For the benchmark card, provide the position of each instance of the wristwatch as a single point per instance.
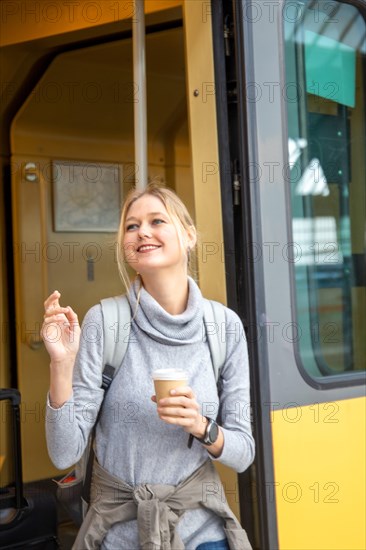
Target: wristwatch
(211, 433)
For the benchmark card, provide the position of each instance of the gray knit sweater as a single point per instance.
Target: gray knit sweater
(131, 440)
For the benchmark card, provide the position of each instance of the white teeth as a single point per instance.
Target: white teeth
(148, 247)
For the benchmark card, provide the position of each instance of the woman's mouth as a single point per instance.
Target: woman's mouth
(148, 247)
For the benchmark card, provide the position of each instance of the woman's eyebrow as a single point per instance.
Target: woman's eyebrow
(149, 214)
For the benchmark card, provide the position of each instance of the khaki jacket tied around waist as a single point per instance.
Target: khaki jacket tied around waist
(157, 508)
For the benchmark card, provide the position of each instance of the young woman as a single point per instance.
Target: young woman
(150, 489)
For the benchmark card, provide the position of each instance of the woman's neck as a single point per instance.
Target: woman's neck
(171, 292)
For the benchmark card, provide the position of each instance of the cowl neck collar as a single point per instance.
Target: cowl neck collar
(152, 318)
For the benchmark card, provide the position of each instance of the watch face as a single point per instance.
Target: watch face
(212, 432)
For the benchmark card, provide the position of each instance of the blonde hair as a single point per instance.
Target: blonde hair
(177, 212)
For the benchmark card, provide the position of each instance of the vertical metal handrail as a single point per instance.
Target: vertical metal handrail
(139, 76)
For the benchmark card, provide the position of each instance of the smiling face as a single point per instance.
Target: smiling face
(151, 238)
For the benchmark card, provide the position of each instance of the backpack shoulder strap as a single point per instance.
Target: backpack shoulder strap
(116, 330)
(214, 319)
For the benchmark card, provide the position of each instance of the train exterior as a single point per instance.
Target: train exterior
(257, 118)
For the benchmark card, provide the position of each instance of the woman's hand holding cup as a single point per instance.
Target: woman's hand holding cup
(176, 402)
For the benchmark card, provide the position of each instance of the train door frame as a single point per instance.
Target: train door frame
(232, 71)
(252, 297)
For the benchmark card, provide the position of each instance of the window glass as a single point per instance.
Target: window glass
(325, 97)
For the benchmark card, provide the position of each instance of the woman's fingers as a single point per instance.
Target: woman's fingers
(180, 401)
(181, 408)
(183, 390)
(58, 318)
(52, 301)
(60, 313)
(71, 315)
(177, 411)
(176, 408)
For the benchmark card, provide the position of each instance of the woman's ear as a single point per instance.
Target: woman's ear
(191, 237)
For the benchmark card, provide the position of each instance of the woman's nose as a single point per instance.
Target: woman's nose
(144, 231)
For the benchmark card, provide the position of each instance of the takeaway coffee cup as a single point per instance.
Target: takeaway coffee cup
(166, 380)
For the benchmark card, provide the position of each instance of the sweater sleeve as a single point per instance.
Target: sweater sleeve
(234, 394)
(68, 428)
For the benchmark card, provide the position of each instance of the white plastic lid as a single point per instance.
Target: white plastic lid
(169, 374)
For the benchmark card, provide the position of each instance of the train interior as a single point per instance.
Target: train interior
(71, 154)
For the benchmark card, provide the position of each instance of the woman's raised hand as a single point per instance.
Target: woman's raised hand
(60, 330)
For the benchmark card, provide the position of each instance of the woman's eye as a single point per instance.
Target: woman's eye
(134, 226)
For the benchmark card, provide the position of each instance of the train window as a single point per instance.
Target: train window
(325, 54)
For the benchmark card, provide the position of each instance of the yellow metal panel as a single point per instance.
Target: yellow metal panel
(25, 20)
(30, 284)
(204, 147)
(319, 462)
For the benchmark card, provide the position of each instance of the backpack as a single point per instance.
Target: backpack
(74, 489)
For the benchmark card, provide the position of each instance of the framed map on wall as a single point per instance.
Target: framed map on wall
(87, 196)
